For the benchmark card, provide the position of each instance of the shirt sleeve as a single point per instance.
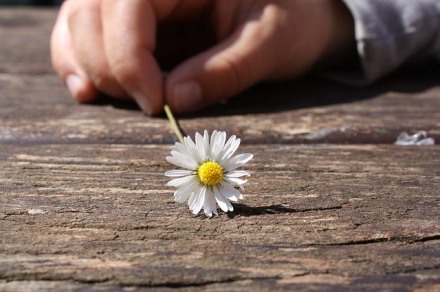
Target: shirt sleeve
(389, 34)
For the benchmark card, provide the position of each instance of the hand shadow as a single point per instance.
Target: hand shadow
(314, 91)
(307, 92)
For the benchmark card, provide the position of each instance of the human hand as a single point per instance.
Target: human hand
(116, 47)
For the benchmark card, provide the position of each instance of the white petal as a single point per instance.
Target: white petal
(193, 199)
(177, 146)
(226, 146)
(222, 202)
(211, 143)
(231, 140)
(200, 201)
(207, 211)
(209, 206)
(178, 172)
(217, 143)
(229, 192)
(178, 182)
(231, 150)
(235, 181)
(180, 197)
(183, 193)
(214, 135)
(191, 146)
(189, 160)
(237, 173)
(206, 145)
(200, 146)
(211, 199)
(236, 161)
(184, 150)
(178, 162)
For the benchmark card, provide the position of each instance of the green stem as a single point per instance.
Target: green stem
(173, 122)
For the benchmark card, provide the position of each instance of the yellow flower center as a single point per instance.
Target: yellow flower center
(210, 173)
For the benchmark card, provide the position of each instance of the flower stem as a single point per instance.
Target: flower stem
(173, 122)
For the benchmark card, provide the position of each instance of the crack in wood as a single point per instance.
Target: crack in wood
(428, 238)
(413, 270)
(406, 239)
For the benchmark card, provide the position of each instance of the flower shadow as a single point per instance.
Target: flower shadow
(247, 211)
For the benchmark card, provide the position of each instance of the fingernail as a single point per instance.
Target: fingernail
(187, 96)
(144, 103)
(73, 83)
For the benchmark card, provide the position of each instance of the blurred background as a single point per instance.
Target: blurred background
(31, 2)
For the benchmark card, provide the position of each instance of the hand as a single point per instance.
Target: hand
(215, 49)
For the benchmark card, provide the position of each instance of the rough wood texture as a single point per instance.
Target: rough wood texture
(316, 216)
(83, 201)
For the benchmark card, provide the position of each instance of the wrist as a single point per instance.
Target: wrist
(340, 44)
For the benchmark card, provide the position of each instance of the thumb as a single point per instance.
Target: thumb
(240, 61)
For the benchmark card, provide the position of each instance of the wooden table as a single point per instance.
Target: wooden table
(331, 204)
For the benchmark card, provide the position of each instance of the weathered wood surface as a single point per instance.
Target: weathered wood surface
(84, 205)
(314, 217)
(36, 108)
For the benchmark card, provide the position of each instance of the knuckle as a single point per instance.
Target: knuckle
(79, 10)
(101, 80)
(105, 82)
(97, 71)
(235, 76)
(73, 12)
(124, 70)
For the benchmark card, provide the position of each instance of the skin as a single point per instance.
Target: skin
(211, 50)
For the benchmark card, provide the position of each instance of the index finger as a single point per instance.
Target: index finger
(129, 30)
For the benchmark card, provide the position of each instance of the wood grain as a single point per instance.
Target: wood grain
(35, 108)
(331, 203)
(315, 216)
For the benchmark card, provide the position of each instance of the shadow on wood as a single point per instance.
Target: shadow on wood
(308, 92)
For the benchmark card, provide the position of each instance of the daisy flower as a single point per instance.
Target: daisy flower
(209, 172)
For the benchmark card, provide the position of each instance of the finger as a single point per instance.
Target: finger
(64, 61)
(238, 62)
(129, 29)
(87, 40)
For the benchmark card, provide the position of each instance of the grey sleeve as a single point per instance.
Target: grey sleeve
(390, 33)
